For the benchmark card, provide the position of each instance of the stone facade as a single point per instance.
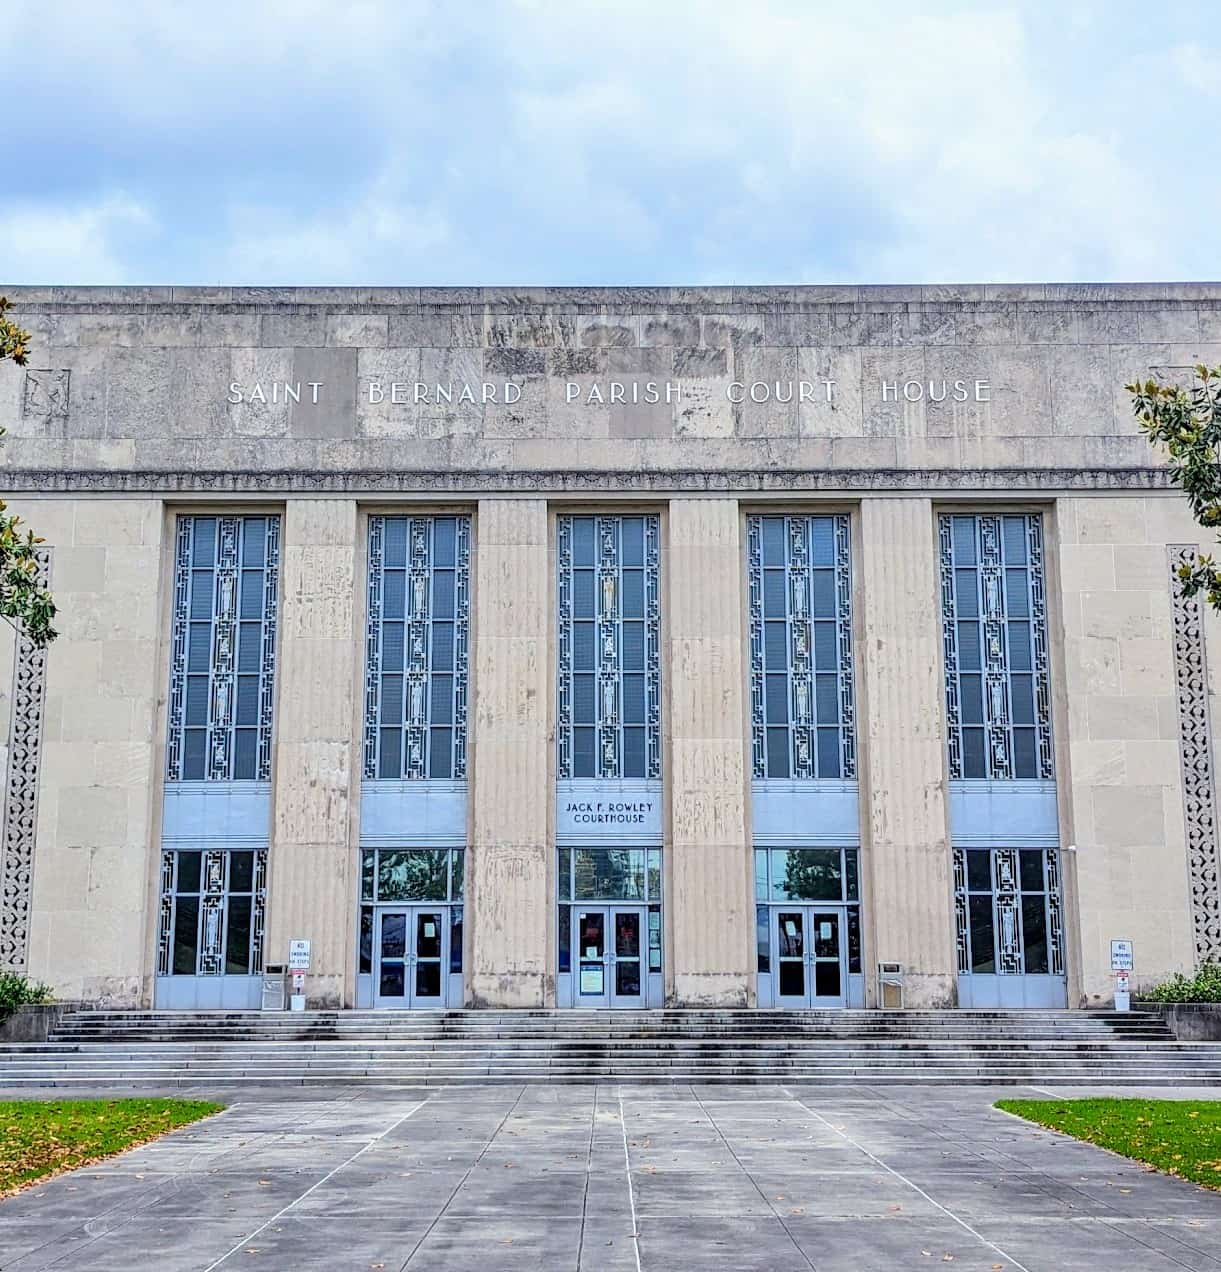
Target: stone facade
(893, 404)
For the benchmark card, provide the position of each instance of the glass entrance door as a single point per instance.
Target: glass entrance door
(607, 956)
(410, 957)
(809, 954)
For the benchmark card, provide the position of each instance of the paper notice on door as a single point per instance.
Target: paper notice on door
(790, 928)
(591, 980)
(591, 951)
(430, 929)
(824, 931)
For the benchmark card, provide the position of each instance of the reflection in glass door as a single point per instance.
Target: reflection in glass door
(809, 953)
(607, 956)
(410, 957)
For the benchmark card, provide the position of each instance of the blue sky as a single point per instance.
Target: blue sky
(640, 141)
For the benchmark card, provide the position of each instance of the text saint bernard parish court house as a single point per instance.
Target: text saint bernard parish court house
(606, 647)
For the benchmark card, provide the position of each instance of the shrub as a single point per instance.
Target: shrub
(19, 991)
(1203, 987)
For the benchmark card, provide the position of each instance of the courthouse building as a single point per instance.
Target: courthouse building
(611, 647)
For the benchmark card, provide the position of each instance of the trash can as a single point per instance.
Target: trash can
(890, 985)
(274, 991)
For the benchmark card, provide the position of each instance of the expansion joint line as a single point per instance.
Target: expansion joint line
(627, 1170)
(911, 1183)
(742, 1167)
(364, 1148)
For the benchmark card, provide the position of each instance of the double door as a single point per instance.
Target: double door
(809, 953)
(608, 955)
(411, 956)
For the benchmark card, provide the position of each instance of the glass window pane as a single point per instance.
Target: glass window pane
(1013, 540)
(828, 753)
(366, 940)
(395, 542)
(973, 764)
(824, 594)
(186, 927)
(188, 871)
(807, 874)
(608, 874)
(440, 753)
(761, 874)
(763, 939)
(1025, 760)
(455, 938)
(367, 865)
(773, 541)
(457, 887)
(852, 887)
(776, 699)
(444, 541)
(1030, 866)
(979, 870)
(854, 940)
(654, 938)
(775, 604)
(1034, 934)
(237, 936)
(982, 958)
(826, 646)
(966, 599)
(963, 534)
(969, 654)
(654, 859)
(1019, 647)
(1017, 596)
(564, 935)
(777, 752)
(826, 692)
(631, 598)
(412, 875)
(241, 871)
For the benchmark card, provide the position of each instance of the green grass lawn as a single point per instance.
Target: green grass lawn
(43, 1137)
(1180, 1137)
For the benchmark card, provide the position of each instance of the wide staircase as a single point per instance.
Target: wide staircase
(209, 1049)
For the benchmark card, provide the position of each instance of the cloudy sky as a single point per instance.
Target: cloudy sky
(631, 141)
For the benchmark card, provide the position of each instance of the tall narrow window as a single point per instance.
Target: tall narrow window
(609, 709)
(417, 639)
(994, 611)
(802, 715)
(223, 657)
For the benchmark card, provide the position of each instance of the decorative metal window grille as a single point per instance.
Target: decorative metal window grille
(1008, 911)
(222, 670)
(1195, 753)
(213, 912)
(21, 790)
(416, 643)
(802, 711)
(609, 708)
(994, 615)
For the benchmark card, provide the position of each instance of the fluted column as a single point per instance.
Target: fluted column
(906, 836)
(509, 897)
(710, 901)
(312, 875)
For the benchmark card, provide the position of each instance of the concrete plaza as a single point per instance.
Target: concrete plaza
(613, 1177)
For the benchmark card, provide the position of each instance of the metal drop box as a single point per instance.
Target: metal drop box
(275, 988)
(890, 985)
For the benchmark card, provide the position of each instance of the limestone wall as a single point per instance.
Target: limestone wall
(925, 380)
(1125, 810)
(312, 868)
(94, 864)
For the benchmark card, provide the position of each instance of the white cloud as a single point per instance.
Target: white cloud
(636, 141)
(46, 243)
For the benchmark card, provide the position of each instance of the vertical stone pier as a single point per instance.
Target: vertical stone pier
(509, 895)
(710, 899)
(903, 775)
(312, 865)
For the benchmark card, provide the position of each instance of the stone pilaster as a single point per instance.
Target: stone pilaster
(903, 773)
(509, 898)
(312, 873)
(710, 899)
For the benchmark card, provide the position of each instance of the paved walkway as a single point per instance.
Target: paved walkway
(682, 1179)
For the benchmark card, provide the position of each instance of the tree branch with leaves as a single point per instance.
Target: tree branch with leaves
(1185, 422)
(25, 602)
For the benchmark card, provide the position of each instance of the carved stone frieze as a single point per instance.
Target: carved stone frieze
(390, 481)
